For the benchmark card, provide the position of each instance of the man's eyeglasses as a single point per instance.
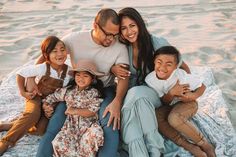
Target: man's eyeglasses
(108, 35)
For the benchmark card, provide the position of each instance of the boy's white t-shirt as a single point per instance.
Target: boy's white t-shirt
(81, 46)
(163, 86)
(39, 70)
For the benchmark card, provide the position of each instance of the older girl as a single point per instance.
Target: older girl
(50, 75)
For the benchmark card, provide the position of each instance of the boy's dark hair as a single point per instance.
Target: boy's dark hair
(107, 14)
(97, 84)
(167, 50)
(48, 45)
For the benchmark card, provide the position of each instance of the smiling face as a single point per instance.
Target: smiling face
(105, 35)
(83, 79)
(129, 29)
(164, 65)
(58, 55)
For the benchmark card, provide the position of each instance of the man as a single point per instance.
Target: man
(101, 45)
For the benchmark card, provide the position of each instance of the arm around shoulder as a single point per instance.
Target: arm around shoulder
(40, 60)
(185, 67)
(199, 91)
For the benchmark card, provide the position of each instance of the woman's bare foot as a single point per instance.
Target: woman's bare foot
(5, 126)
(207, 148)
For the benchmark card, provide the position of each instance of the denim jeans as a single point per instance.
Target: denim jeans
(55, 124)
(111, 137)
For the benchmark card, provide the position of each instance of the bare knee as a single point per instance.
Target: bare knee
(174, 119)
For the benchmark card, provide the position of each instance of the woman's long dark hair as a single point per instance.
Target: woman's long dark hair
(145, 46)
(97, 84)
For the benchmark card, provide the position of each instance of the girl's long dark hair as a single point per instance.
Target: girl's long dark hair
(97, 84)
(145, 46)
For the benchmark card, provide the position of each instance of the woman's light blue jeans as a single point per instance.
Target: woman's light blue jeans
(111, 137)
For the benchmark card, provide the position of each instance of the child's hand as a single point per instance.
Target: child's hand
(31, 86)
(71, 111)
(179, 89)
(187, 97)
(48, 110)
(29, 95)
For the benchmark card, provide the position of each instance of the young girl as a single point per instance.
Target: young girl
(81, 135)
(50, 75)
(173, 119)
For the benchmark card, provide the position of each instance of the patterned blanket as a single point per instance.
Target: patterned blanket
(211, 118)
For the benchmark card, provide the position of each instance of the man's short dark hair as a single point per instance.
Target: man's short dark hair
(107, 14)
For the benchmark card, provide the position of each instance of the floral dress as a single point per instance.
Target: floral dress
(80, 136)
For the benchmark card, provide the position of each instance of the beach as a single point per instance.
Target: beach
(203, 30)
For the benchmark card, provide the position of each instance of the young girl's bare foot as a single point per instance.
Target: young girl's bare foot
(5, 126)
(207, 148)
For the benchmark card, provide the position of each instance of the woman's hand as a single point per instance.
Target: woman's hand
(48, 110)
(121, 70)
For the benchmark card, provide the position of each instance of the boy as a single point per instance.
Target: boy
(178, 91)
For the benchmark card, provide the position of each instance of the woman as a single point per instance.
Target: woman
(139, 125)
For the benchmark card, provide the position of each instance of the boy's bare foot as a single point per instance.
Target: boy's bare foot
(196, 151)
(207, 148)
(5, 126)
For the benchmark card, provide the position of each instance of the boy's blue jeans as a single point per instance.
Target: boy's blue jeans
(56, 122)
